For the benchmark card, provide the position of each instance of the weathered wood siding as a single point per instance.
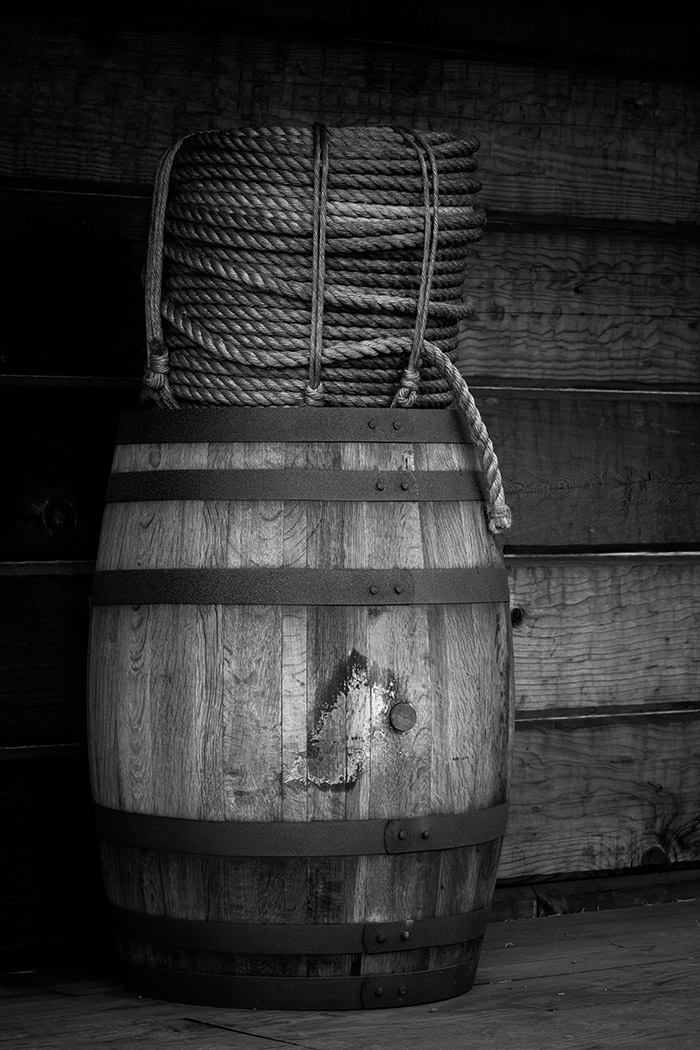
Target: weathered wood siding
(583, 353)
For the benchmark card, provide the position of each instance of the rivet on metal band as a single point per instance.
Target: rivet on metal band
(303, 993)
(207, 586)
(262, 938)
(214, 424)
(350, 486)
(319, 838)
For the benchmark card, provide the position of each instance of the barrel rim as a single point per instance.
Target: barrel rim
(372, 991)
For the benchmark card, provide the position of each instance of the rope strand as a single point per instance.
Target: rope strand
(279, 254)
(313, 392)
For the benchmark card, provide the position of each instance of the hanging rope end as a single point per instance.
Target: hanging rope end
(156, 386)
(500, 518)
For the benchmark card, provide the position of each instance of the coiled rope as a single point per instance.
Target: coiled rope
(314, 266)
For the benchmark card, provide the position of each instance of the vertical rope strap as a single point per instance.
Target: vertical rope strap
(407, 394)
(313, 391)
(156, 385)
(498, 512)
(156, 382)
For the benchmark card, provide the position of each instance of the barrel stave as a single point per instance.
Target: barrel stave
(283, 712)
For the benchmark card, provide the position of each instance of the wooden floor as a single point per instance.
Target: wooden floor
(628, 977)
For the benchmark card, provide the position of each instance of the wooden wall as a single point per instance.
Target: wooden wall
(583, 356)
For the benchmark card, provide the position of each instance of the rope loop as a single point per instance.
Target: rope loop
(407, 394)
(314, 396)
(155, 376)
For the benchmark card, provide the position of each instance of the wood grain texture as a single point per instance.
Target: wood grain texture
(582, 472)
(587, 276)
(632, 891)
(624, 978)
(552, 304)
(538, 157)
(577, 307)
(195, 722)
(595, 636)
(656, 883)
(589, 797)
(590, 636)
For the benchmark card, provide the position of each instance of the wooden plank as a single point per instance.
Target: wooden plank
(560, 898)
(536, 156)
(598, 938)
(660, 886)
(544, 979)
(587, 797)
(610, 634)
(55, 452)
(558, 305)
(295, 717)
(43, 627)
(570, 173)
(629, 274)
(625, 978)
(153, 746)
(83, 1018)
(252, 717)
(513, 902)
(580, 471)
(582, 307)
(585, 472)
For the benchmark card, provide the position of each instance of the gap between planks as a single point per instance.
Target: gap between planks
(86, 567)
(479, 389)
(626, 978)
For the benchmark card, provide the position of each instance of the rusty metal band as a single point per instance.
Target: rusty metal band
(205, 586)
(426, 425)
(357, 486)
(258, 938)
(319, 838)
(302, 993)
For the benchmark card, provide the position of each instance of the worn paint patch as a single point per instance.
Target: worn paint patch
(351, 711)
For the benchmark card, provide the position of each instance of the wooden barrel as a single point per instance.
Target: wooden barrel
(300, 706)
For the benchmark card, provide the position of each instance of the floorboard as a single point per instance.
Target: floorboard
(628, 977)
